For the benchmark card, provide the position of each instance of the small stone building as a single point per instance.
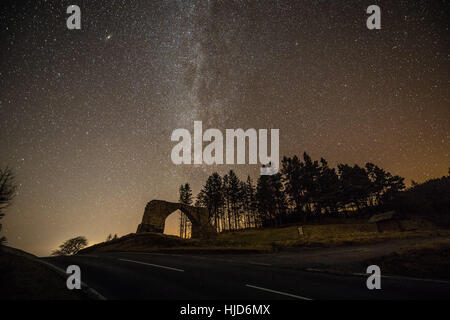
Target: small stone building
(387, 221)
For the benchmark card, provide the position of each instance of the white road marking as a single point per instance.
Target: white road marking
(400, 278)
(153, 265)
(92, 291)
(203, 258)
(278, 292)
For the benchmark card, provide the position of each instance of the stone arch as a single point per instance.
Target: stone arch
(156, 212)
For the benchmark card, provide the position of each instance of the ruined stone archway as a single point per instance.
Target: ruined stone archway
(156, 212)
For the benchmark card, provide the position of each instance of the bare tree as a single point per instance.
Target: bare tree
(71, 246)
(7, 193)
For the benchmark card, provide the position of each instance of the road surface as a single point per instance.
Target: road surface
(203, 277)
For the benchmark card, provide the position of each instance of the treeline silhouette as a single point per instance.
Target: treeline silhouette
(303, 190)
(430, 199)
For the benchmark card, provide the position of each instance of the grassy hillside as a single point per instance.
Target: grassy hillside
(270, 239)
(323, 235)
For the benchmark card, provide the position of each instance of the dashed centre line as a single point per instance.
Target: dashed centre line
(153, 265)
(278, 292)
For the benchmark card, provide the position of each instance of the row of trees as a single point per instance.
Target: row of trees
(231, 202)
(303, 189)
(185, 198)
(430, 199)
(312, 187)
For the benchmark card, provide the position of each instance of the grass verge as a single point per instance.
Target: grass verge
(23, 278)
(429, 260)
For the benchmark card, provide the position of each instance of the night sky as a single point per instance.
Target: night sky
(86, 115)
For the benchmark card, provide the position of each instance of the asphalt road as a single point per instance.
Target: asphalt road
(203, 277)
